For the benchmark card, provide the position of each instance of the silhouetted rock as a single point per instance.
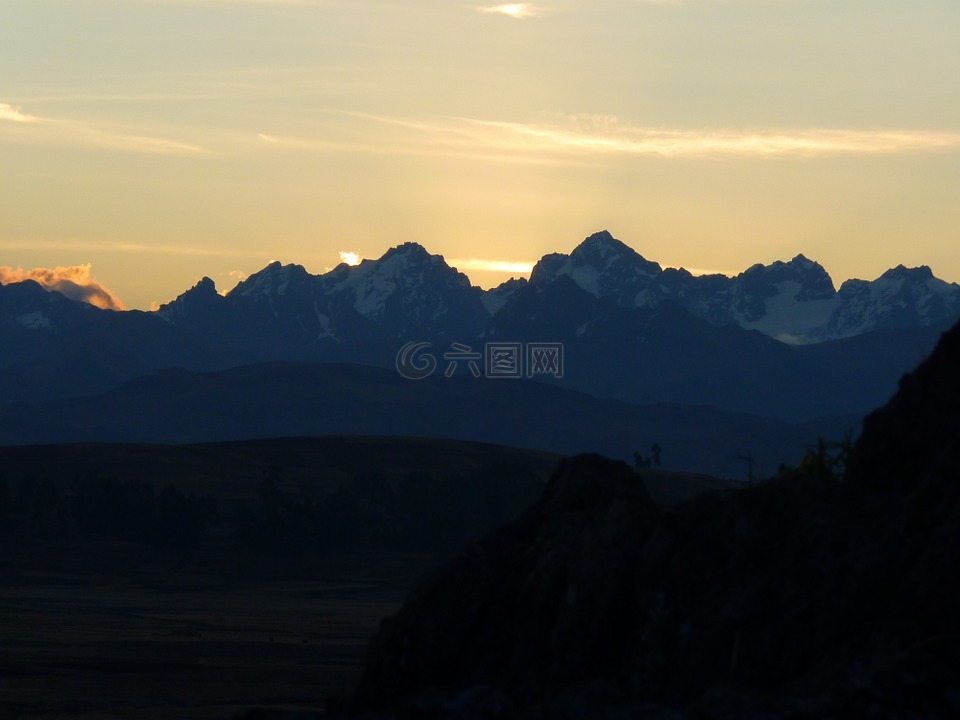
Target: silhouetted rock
(535, 606)
(803, 597)
(917, 434)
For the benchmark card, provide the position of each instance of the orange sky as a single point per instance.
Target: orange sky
(163, 140)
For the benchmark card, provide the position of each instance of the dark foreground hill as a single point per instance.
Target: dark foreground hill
(194, 581)
(806, 597)
(314, 399)
(198, 581)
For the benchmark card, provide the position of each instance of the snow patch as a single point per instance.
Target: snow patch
(790, 320)
(325, 328)
(587, 277)
(494, 302)
(34, 320)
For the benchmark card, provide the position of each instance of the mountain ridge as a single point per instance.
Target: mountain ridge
(297, 399)
(793, 301)
(629, 329)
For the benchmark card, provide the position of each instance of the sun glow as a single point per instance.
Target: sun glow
(350, 258)
(514, 10)
(504, 266)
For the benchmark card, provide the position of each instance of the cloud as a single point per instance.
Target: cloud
(76, 283)
(585, 139)
(518, 11)
(493, 265)
(606, 135)
(296, 3)
(14, 114)
(144, 144)
(73, 132)
(124, 247)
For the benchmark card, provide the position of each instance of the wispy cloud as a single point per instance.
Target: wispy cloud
(32, 128)
(297, 3)
(76, 282)
(519, 11)
(449, 139)
(607, 135)
(145, 144)
(588, 138)
(506, 266)
(124, 247)
(14, 114)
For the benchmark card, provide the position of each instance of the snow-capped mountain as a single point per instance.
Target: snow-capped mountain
(409, 289)
(55, 347)
(901, 297)
(633, 330)
(793, 301)
(28, 306)
(604, 267)
(406, 292)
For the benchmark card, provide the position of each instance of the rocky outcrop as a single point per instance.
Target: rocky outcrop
(915, 438)
(802, 597)
(535, 606)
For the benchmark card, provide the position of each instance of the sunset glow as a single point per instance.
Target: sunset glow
(490, 133)
(350, 258)
(515, 10)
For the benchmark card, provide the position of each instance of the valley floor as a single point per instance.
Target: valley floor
(158, 642)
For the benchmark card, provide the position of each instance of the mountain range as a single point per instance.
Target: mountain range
(410, 291)
(777, 341)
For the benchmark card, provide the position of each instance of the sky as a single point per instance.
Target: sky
(148, 143)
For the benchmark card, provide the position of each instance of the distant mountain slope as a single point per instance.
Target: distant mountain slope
(665, 354)
(53, 347)
(299, 399)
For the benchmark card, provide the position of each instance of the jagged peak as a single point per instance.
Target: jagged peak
(202, 293)
(511, 284)
(603, 238)
(923, 272)
(411, 250)
(800, 267)
(206, 285)
(275, 277)
(802, 261)
(603, 248)
(275, 269)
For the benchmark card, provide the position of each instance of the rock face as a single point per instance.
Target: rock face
(915, 438)
(535, 606)
(802, 597)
